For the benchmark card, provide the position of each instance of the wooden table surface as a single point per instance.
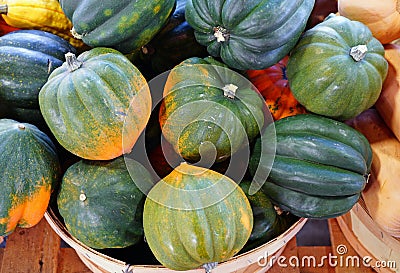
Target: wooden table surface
(38, 250)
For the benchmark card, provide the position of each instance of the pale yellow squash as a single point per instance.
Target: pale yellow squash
(382, 17)
(382, 193)
(45, 15)
(388, 103)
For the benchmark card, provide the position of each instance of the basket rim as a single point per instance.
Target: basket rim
(276, 243)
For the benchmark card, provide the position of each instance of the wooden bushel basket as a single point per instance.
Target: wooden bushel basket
(251, 261)
(369, 240)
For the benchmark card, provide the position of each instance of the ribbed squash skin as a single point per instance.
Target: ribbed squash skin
(326, 79)
(27, 57)
(45, 15)
(29, 171)
(124, 25)
(258, 33)
(196, 216)
(195, 110)
(98, 110)
(320, 166)
(101, 203)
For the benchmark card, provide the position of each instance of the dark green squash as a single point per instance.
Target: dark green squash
(269, 222)
(248, 34)
(124, 25)
(208, 103)
(29, 172)
(337, 68)
(27, 57)
(101, 204)
(196, 217)
(172, 45)
(320, 166)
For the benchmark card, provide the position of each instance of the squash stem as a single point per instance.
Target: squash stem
(72, 62)
(221, 34)
(358, 52)
(230, 90)
(3, 9)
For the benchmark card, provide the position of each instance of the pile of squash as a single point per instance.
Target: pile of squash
(194, 129)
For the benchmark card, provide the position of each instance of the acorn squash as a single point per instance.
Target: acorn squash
(97, 104)
(196, 217)
(124, 25)
(248, 34)
(320, 166)
(27, 57)
(337, 68)
(29, 172)
(209, 109)
(101, 204)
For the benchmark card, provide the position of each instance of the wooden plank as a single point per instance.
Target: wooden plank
(69, 262)
(1, 257)
(345, 252)
(290, 251)
(315, 259)
(32, 249)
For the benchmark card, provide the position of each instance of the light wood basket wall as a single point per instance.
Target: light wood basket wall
(245, 263)
(368, 240)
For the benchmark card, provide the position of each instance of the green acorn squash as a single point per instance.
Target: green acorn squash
(124, 25)
(97, 104)
(29, 172)
(248, 34)
(101, 204)
(320, 167)
(337, 68)
(196, 217)
(27, 57)
(207, 103)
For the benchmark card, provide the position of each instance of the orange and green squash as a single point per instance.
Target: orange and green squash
(248, 35)
(29, 172)
(273, 85)
(209, 109)
(196, 217)
(101, 204)
(337, 68)
(97, 104)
